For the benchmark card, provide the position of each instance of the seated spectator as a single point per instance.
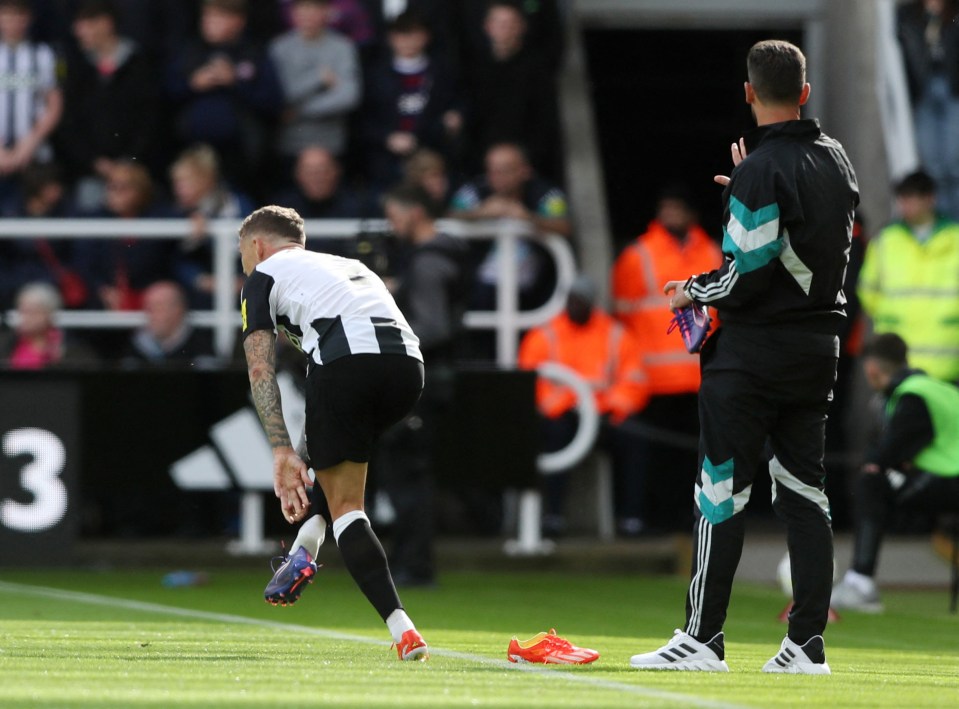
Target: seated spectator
(913, 467)
(28, 89)
(512, 92)
(119, 270)
(227, 92)
(427, 168)
(439, 14)
(22, 261)
(110, 103)
(200, 193)
(609, 358)
(37, 343)
(510, 189)
(320, 74)
(319, 193)
(167, 338)
(410, 101)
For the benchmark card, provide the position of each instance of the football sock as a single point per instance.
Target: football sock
(366, 561)
(398, 623)
(311, 535)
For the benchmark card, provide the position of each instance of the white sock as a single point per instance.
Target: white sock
(860, 582)
(398, 623)
(346, 520)
(311, 535)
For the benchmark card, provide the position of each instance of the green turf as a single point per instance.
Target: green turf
(331, 650)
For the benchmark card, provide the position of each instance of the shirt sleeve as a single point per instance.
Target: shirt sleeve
(256, 305)
(908, 431)
(752, 242)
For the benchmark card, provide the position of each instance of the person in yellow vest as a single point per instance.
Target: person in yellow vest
(609, 358)
(913, 466)
(909, 283)
(673, 246)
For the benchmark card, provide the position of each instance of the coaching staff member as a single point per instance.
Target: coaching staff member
(768, 371)
(365, 373)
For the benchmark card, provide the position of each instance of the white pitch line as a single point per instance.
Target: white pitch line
(685, 700)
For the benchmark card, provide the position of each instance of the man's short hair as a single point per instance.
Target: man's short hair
(777, 71)
(277, 222)
(17, 5)
(89, 9)
(916, 184)
(410, 194)
(407, 22)
(890, 349)
(234, 7)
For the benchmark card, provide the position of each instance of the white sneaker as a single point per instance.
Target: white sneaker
(850, 596)
(792, 659)
(684, 652)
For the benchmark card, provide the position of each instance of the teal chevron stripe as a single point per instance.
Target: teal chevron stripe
(718, 473)
(747, 261)
(715, 514)
(750, 219)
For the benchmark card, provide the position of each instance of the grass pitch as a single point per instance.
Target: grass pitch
(120, 639)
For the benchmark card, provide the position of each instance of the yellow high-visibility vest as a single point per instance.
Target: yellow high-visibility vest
(911, 288)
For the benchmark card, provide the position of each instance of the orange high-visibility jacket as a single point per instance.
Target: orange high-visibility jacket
(639, 274)
(602, 351)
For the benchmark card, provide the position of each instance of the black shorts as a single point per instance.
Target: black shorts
(352, 400)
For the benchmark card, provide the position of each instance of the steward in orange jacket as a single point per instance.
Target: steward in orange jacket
(601, 351)
(609, 358)
(639, 303)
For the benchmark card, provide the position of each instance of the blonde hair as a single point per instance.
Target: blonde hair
(43, 293)
(202, 158)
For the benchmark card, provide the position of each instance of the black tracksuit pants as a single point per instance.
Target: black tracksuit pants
(762, 387)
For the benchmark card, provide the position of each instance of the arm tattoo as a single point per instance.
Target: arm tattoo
(261, 364)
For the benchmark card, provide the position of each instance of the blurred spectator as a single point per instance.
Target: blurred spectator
(31, 103)
(432, 292)
(228, 93)
(510, 189)
(910, 279)
(319, 192)
(200, 193)
(37, 343)
(674, 244)
(544, 29)
(320, 73)
(427, 168)
(167, 338)
(22, 261)
(512, 92)
(609, 358)
(119, 270)
(438, 14)
(110, 103)
(410, 101)
(929, 37)
(348, 17)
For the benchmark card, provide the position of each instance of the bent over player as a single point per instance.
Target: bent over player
(768, 372)
(365, 373)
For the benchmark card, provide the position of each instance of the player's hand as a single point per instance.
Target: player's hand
(738, 151)
(290, 478)
(677, 299)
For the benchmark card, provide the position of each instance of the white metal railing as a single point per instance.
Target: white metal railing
(507, 320)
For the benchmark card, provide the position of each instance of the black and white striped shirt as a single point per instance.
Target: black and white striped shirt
(27, 74)
(328, 307)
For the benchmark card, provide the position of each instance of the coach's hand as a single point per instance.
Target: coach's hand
(738, 151)
(290, 478)
(677, 299)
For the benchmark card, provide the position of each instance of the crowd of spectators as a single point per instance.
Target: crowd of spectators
(206, 109)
